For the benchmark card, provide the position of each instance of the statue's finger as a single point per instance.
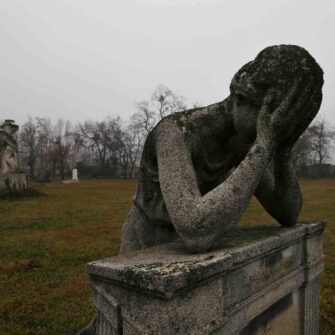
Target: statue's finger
(311, 107)
(289, 98)
(304, 97)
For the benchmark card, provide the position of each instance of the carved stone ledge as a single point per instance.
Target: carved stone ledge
(263, 280)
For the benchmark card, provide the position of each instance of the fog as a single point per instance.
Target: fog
(87, 59)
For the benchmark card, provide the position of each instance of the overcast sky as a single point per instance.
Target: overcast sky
(86, 59)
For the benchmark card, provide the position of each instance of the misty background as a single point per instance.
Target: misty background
(85, 59)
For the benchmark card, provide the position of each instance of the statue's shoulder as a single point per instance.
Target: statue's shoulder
(191, 122)
(163, 129)
(191, 118)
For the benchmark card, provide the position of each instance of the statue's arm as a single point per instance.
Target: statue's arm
(279, 191)
(201, 220)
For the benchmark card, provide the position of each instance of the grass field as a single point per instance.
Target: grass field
(46, 241)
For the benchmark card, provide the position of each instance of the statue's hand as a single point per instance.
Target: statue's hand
(274, 127)
(264, 123)
(307, 103)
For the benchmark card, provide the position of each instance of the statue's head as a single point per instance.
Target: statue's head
(278, 69)
(9, 127)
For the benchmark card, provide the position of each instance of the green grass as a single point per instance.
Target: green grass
(45, 242)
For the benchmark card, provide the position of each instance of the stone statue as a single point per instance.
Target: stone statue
(200, 167)
(11, 177)
(8, 147)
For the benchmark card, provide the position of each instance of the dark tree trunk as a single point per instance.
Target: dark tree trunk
(32, 169)
(54, 169)
(62, 172)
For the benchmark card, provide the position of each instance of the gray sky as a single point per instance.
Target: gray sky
(86, 59)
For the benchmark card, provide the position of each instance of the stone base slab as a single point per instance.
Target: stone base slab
(263, 280)
(70, 181)
(13, 181)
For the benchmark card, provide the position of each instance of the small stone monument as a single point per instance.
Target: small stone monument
(75, 175)
(74, 178)
(184, 267)
(11, 177)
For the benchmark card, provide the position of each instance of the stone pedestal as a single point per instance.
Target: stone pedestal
(16, 181)
(263, 280)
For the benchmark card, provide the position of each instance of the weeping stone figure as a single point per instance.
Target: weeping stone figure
(200, 167)
(11, 177)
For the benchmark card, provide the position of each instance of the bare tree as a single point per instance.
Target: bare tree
(164, 101)
(63, 144)
(94, 137)
(321, 135)
(145, 118)
(100, 138)
(48, 159)
(130, 142)
(122, 151)
(29, 140)
(313, 147)
(301, 151)
(36, 148)
(134, 142)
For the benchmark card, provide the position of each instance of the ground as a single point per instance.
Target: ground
(46, 241)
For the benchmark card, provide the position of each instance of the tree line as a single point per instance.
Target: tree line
(108, 148)
(112, 147)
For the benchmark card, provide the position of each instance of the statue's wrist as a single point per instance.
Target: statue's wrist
(263, 149)
(266, 143)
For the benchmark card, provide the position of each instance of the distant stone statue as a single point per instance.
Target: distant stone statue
(11, 177)
(8, 147)
(75, 175)
(200, 167)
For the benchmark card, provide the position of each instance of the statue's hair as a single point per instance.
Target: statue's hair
(278, 68)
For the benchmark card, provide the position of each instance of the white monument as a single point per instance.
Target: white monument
(74, 178)
(75, 175)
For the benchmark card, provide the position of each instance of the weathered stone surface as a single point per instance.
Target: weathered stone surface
(75, 175)
(260, 277)
(200, 167)
(13, 181)
(283, 317)
(11, 177)
(8, 147)
(198, 172)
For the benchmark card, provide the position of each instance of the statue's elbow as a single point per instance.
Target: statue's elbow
(199, 244)
(288, 220)
(198, 235)
(288, 213)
